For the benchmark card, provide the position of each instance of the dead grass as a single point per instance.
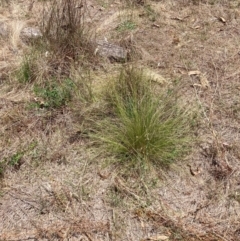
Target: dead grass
(59, 187)
(67, 33)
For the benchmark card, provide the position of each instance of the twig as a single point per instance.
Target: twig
(126, 189)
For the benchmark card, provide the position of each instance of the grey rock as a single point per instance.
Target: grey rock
(4, 29)
(30, 33)
(111, 51)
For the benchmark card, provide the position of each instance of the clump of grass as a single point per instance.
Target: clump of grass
(145, 126)
(66, 33)
(24, 73)
(66, 43)
(37, 66)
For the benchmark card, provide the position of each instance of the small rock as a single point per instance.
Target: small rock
(30, 33)
(4, 29)
(111, 51)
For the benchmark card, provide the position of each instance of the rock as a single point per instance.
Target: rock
(111, 51)
(4, 29)
(30, 33)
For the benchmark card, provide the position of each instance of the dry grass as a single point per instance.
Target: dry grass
(67, 33)
(56, 184)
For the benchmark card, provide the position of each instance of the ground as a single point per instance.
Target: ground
(63, 187)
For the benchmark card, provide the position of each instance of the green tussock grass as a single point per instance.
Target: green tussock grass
(145, 126)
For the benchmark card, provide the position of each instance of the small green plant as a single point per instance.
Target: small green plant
(14, 161)
(85, 193)
(235, 196)
(134, 3)
(104, 4)
(144, 126)
(126, 25)
(55, 94)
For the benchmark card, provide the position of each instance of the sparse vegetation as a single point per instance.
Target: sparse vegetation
(66, 43)
(15, 160)
(126, 25)
(55, 94)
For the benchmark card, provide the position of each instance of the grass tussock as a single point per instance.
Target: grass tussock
(54, 64)
(33, 68)
(144, 126)
(66, 43)
(66, 32)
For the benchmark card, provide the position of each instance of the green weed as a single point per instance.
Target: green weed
(2, 168)
(126, 25)
(15, 160)
(55, 94)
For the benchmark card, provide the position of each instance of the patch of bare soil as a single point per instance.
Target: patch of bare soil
(57, 187)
